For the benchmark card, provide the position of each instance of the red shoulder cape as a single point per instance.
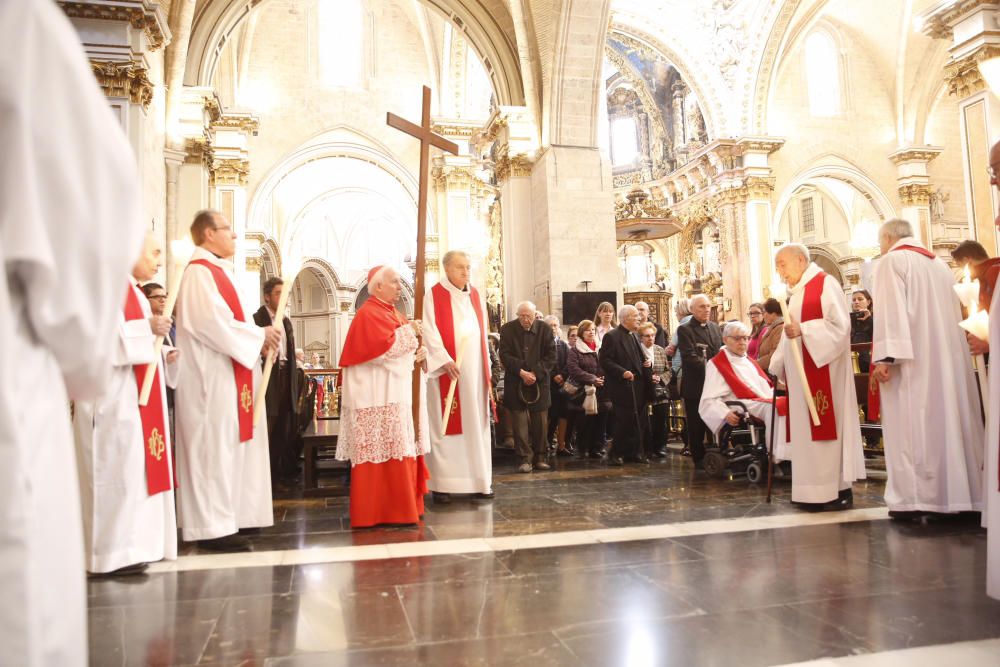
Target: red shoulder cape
(372, 332)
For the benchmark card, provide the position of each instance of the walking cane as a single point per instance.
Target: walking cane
(770, 449)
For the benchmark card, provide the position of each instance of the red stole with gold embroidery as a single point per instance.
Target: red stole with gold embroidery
(445, 322)
(819, 378)
(154, 423)
(242, 374)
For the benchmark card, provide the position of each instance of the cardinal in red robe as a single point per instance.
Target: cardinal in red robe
(377, 435)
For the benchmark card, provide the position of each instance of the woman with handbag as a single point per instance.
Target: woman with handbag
(586, 374)
(657, 357)
(559, 410)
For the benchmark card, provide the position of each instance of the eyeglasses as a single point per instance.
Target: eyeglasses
(222, 229)
(159, 297)
(754, 313)
(992, 173)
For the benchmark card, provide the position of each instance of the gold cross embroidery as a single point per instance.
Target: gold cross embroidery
(246, 398)
(156, 444)
(822, 403)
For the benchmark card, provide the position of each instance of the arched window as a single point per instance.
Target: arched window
(341, 42)
(624, 141)
(823, 74)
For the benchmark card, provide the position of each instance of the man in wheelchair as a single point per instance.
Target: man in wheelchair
(733, 376)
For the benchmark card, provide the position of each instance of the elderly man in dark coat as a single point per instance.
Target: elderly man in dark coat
(528, 353)
(629, 382)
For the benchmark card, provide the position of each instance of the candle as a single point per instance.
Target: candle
(967, 289)
(466, 331)
(780, 293)
(289, 274)
(181, 250)
(978, 324)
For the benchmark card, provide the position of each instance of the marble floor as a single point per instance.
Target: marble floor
(586, 565)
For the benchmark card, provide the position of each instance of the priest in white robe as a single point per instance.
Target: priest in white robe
(223, 465)
(123, 450)
(377, 434)
(731, 375)
(930, 408)
(455, 327)
(828, 457)
(70, 229)
(991, 469)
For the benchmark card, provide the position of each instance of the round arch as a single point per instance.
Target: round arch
(710, 107)
(842, 172)
(218, 21)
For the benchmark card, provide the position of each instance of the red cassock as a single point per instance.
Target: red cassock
(388, 474)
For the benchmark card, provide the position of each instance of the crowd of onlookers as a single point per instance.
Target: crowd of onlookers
(617, 387)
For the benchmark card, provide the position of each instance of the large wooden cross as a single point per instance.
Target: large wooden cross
(427, 139)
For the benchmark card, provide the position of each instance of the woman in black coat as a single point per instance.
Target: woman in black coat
(584, 369)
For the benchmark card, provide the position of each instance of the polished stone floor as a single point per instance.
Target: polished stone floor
(719, 597)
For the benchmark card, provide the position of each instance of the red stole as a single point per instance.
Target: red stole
(819, 378)
(740, 388)
(445, 321)
(917, 249)
(242, 374)
(154, 423)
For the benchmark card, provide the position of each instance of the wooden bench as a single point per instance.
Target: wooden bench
(319, 444)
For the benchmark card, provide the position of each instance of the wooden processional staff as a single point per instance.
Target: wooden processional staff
(427, 139)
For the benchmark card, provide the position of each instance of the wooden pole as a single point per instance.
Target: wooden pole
(427, 139)
(799, 365)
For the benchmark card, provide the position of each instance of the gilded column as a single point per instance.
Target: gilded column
(914, 187)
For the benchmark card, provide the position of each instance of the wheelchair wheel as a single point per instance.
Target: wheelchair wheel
(715, 464)
(755, 472)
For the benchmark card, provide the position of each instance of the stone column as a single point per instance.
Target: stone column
(124, 42)
(677, 111)
(970, 28)
(229, 169)
(914, 187)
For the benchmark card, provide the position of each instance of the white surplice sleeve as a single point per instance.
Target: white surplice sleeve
(437, 356)
(207, 318)
(69, 199)
(891, 324)
(828, 338)
(716, 391)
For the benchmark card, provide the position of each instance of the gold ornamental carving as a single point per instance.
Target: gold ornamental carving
(140, 15)
(255, 264)
(915, 194)
(914, 155)
(229, 171)
(243, 122)
(963, 75)
(639, 205)
(508, 166)
(939, 25)
(124, 79)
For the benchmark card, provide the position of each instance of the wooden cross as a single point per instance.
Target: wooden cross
(427, 139)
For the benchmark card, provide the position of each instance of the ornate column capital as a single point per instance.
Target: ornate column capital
(244, 122)
(228, 171)
(144, 15)
(915, 194)
(962, 75)
(511, 166)
(915, 154)
(129, 80)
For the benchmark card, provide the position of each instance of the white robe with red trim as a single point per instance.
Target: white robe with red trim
(931, 417)
(222, 484)
(716, 392)
(123, 524)
(459, 463)
(822, 468)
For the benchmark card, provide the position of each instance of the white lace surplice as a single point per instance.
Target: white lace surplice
(376, 419)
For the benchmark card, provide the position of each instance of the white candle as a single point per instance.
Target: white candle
(780, 293)
(967, 289)
(181, 250)
(466, 331)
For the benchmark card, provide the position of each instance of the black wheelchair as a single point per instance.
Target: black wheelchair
(741, 449)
